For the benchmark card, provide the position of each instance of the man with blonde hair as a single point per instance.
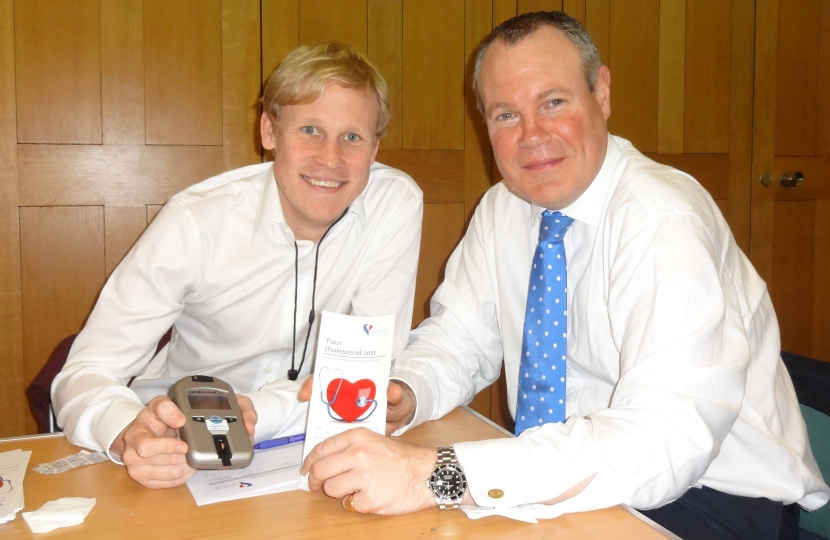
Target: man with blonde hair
(241, 265)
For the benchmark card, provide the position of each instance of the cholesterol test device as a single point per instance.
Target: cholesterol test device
(214, 429)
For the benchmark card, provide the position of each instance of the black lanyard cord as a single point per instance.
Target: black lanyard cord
(294, 373)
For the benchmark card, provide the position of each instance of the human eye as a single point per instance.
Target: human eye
(505, 116)
(309, 130)
(353, 137)
(555, 102)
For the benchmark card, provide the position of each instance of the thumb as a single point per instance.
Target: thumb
(163, 409)
(394, 392)
(305, 391)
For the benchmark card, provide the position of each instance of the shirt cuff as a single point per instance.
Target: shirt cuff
(423, 398)
(117, 416)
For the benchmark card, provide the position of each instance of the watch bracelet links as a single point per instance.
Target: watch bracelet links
(446, 455)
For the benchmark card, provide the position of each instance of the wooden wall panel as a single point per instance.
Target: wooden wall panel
(280, 32)
(58, 65)
(63, 269)
(792, 278)
(797, 91)
(711, 170)
(529, 6)
(122, 227)
(439, 173)
(122, 72)
(12, 400)
(598, 24)
(634, 63)
(183, 71)
(503, 10)
(821, 283)
(477, 161)
(708, 76)
(241, 76)
(672, 73)
(433, 74)
(823, 116)
(343, 21)
(442, 230)
(385, 50)
(576, 9)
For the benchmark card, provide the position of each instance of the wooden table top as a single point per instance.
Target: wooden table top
(127, 510)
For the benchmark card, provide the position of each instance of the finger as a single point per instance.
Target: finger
(132, 458)
(147, 446)
(249, 414)
(325, 470)
(163, 408)
(161, 476)
(332, 445)
(305, 391)
(341, 485)
(394, 392)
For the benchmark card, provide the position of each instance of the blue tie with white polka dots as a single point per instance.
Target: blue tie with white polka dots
(545, 342)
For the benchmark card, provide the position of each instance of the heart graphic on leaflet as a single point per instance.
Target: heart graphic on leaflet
(352, 399)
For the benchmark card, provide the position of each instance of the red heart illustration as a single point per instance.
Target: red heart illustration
(346, 405)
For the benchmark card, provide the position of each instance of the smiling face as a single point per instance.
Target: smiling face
(547, 129)
(322, 154)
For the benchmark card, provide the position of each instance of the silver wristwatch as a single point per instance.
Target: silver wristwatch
(447, 482)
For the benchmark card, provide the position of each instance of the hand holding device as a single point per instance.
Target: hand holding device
(214, 427)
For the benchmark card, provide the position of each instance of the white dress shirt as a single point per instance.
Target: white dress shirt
(674, 377)
(217, 264)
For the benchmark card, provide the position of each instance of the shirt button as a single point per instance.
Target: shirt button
(268, 370)
(495, 494)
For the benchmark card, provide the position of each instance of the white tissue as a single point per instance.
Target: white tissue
(60, 513)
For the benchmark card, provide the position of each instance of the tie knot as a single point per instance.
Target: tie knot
(553, 226)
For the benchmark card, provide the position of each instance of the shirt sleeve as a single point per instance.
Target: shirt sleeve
(137, 305)
(683, 355)
(456, 352)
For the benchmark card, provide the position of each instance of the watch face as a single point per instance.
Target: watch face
(448, 482)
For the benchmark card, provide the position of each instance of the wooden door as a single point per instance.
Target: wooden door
(791, 225)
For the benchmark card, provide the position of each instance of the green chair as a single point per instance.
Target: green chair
(811, 379)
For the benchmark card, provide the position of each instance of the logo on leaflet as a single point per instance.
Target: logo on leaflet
(244, 484)
(366, 328)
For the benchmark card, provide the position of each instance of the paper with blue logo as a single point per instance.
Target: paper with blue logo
(351, 373)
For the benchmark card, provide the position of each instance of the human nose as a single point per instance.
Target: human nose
(533, 133)
(329, 155)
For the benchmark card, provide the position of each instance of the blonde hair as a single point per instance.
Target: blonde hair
(306, 72)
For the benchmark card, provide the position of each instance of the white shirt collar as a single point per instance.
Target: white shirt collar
(588, 207)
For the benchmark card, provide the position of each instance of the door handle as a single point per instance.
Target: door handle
(791, 179)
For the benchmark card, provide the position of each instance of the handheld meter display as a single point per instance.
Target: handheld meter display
(214, 430)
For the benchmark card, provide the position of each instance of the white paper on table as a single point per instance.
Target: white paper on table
(272, 471)
(12, 471)
(351, 373)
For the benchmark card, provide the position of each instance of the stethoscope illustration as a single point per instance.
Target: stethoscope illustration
(345, 409)
(5, 485)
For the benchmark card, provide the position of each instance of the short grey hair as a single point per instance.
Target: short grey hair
(512, 31)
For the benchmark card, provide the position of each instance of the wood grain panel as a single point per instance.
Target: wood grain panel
(576, 9)
(280, 32)
(63, 270)
(792, 277)
(11, 332)
(477, 162)
(122, 227)
(440, 174)
(823, 116)
(634, 64)
(122, 72)
(529, 6)
(241, 75)
(58, 65)
(821, 283)
(711, 170)
(442, 230)
(708, 76)
(797, 91)
(183, 72)
(670, 89)
(343, 21)
(112, 175)
(598, 24)
(433, 74)
(740, 120)
(385, 37)
(503, 10)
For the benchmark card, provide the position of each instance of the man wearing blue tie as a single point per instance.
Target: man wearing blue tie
(640, 347)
